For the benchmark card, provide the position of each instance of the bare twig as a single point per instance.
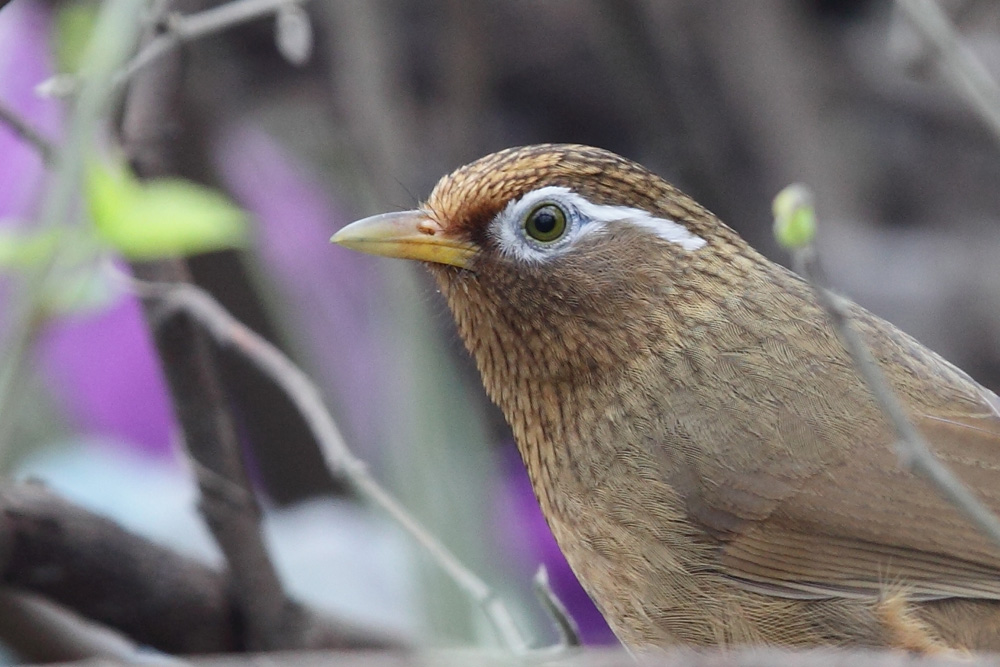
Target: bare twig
(965, 72)
(229, 332)
(21, 128)
(187, 28)
(569, 633)
(183, 28)
(795, 217)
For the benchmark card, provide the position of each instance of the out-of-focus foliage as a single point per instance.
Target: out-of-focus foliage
(160, 218)
(794, 217)
(21, 249)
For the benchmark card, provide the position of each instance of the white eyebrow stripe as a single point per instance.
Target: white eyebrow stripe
(666, 229)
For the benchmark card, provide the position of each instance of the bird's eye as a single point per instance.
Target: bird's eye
(545, 223)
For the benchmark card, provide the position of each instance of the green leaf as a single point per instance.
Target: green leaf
(162, 218)
(110, 192)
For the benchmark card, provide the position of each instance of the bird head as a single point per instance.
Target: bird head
(561, 260)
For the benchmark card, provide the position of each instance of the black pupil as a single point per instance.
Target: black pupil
(545, 221)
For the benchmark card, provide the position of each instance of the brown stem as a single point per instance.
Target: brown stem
(91, 565)
(270, 619)
(39, 630)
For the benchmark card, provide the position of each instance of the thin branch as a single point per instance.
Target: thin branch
(965, 72)
(187, 28)
(229, 332)
(795, 227)
(30, 135)
(569, 632)
(183, 28)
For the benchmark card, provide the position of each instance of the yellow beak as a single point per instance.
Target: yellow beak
(406, 235)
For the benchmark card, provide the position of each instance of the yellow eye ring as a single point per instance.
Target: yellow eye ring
(546, 223)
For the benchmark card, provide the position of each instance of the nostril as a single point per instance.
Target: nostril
(429, 227)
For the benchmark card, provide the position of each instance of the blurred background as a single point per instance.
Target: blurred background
(729, 100)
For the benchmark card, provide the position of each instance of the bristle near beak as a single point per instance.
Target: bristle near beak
(406, 235)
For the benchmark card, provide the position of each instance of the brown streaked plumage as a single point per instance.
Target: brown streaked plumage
(705, 452)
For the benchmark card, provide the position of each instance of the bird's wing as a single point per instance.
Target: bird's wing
(861, 524)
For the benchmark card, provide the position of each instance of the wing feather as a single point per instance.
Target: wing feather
(867, 524)
(800, 482)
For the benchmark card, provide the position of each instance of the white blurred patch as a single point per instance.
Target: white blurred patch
(330, 553)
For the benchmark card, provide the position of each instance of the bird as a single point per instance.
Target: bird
(703, 448)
